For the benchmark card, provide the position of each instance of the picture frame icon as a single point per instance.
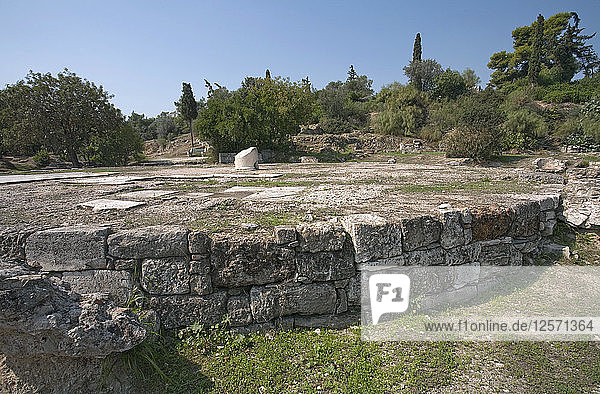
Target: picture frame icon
(388, 293)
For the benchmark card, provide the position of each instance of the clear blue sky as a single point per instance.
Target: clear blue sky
(141, 51)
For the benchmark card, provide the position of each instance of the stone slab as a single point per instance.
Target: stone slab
(149, 242)
(105, 204)
(244, 189)
(146, 194)
(276, 192)
(107, 180)
(26, 178)
(118, 284)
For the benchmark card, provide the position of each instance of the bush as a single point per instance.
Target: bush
(336, 125)
(403, 110)
(441, 119)
(115, 147)
(41, 158)
(472, 143)
(523, 129)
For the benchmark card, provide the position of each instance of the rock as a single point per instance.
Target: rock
(200, 265)
(149, 242)
(554, 249)
(226, 158)
(40, 317)
(199, 242)
(325, 266)
(182, 311)
(238, 309)
(498, 252)
(342, 301)
(308, 159)
(391, 161)
(118, 284)
(12, 242)
(354, 289)
(452, 231)
(541, 177)
(419, 232)
(67, 248)
(429, 257)
(249, 226)
(166, 276)
(284, 234)
(104, 204)
(201, 284)
(335, 322)
(320, 237)
(527, 220)
(373, 238)
(445, 206)
(491, 222)
(247, 159)
(244, 262)
(270, 302)
(547, 164)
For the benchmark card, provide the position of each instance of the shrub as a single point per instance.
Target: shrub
(115, 147)
(41, 158)
(473, 143)
(336, 125)
(403, 110)
(523, 129)
(440, 120)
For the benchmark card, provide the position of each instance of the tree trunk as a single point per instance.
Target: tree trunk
(192, 133)
(73, 158)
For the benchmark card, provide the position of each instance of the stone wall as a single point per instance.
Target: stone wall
(302, 276)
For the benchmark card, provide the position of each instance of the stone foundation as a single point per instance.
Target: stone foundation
(303, 276)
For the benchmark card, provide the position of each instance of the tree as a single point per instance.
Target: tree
(188, 107)
(535, 61)
(422, 74)
(402, 109)
(564, 52)
(268, 74)
(471, 79)
(417, 48)
(449, 84)
(60, 114)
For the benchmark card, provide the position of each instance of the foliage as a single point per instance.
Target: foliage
(473, 143)
(263, 113)
(472, 81)
(449, 84)
(61, 114)
(523, 129)
(579, 91)
(403, 110)
(187, 107)
(417, 49)
(41, 158)
(535, 61)
(441, 118)
(422, 74)
(343, 105)
(114, 148)
(563, 53)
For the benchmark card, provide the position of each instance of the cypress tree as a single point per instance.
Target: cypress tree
(267, 74)
(188, 107)
(535, 60)
(417, 48)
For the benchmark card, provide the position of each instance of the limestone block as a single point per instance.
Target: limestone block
(166, 276)
(247, 159)
(498, 252)
(238, 309)
(354, 289)
(243, 262)
(549, 202)
(181, 310)
(549, 228)
(67, 248)
(201, 284)
(342, 301)
(118, 284)
(527, 220)
(452, 232)
(200, 266)
(548, 164)
(274, 301)
(419, 232)
(328, 321)
(320, 237)
(433, 256)
(149, 242)
(323, 266)
(373, 237)
(199, 242)
(285, 234)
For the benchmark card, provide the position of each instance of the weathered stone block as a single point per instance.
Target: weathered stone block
(200, 266)
(67, 248)
(285, 234)
(201, 284)
(491, 222)
(527, 245)
(320, 237)
(118, 284)
(199, 242)
(498, 252)
(181, 311)
(549, 228)
(324, 266)
(328, 321)
(459, 255)
(419, 232)
(149, 242)
(270, 302)
(342, 301)
(354, 289)
(166, 276)
(452, 232)
(433, 256)
(550, 202)
(373, 237)
(527, 220)
(238, 309)
(245, 262)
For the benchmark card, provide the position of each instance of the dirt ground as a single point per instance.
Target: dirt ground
(276, 194)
